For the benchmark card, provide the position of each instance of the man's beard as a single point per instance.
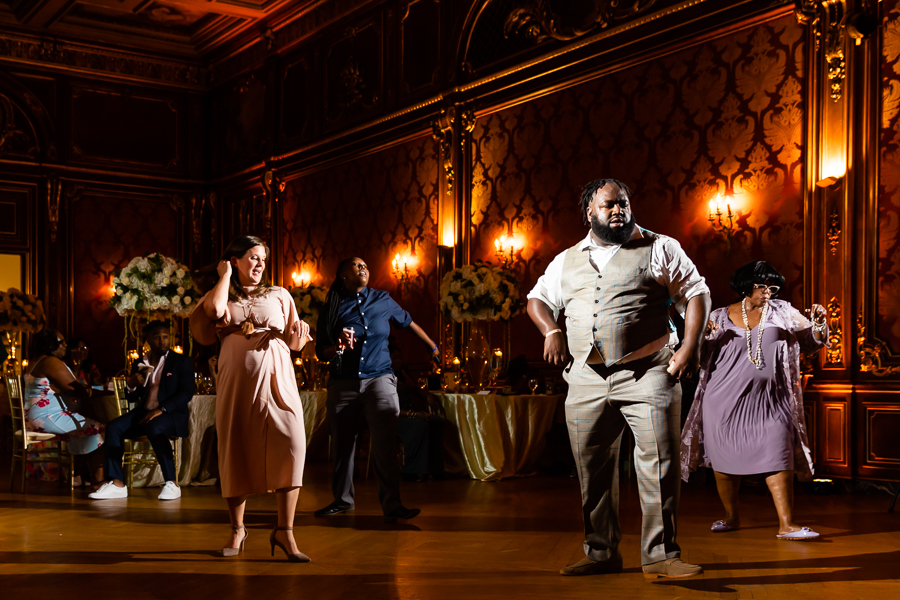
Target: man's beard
(613, 235)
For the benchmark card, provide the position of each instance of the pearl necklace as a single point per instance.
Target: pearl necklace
(758, 359)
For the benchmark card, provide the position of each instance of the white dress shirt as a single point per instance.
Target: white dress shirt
(669, 266)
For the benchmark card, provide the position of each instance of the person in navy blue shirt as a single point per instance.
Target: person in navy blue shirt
(353, 333)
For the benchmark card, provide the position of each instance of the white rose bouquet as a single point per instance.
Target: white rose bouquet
(154, 284)
(309, 300)
(20, 312)
(480, 292)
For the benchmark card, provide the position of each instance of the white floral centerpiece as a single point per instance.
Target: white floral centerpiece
(154, 285)
(309, 300)
(20, 312)
(480, 292)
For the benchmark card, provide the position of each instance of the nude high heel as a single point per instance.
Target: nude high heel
(299, 557)
(235, 551)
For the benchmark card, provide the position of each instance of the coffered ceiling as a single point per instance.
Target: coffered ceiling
(191, 29)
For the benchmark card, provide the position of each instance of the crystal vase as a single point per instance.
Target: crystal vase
(477, 355)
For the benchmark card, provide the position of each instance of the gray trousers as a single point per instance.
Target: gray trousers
(375, 399)
(601, 402)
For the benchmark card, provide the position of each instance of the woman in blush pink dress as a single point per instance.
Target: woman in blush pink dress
(259, 417)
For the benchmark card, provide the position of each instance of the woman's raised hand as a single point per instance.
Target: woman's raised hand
(301, 330)
(817, 313)
(710, 327)
(224, 269)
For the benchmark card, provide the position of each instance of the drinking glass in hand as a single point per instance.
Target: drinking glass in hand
(423, 383)
(533, 385)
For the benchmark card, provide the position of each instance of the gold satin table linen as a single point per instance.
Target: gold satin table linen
(202, 417)
(491, 437)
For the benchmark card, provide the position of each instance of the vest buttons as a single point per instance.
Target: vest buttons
(595, 314)
(598, 288)
(597, 301)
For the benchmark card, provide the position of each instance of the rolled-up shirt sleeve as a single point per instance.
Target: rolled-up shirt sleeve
(678, 273)
(548, 288)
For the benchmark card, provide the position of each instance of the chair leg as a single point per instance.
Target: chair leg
(12, 470)
(24, 462)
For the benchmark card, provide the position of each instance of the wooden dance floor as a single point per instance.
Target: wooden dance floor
(473, 540)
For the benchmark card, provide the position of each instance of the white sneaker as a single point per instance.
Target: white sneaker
(108, 491)
(170, 491)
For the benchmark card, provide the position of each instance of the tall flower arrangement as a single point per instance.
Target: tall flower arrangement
(480, 292)
(155, 285)
(20, 312)
(309, 300)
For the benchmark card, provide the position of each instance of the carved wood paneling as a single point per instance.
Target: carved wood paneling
(297, 100)
(833, 432)
(724, 115)
(126, 126)
(420, 41)
(241, 114)
(373, 207)
(882, 424)
(109, 227)
(887, 272)
(16, 204)
(354, 62)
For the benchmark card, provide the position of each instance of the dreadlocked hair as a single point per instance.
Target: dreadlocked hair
(589, 189)
(332, 311)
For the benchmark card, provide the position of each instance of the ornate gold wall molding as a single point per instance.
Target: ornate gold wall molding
(67, 56)
(540, 20)
(870, 353)
(835, 354)
(834, 232)
(831, 20)
(442, 132)
(53, 193)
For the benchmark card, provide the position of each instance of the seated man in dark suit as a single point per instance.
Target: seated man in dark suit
(161, 385)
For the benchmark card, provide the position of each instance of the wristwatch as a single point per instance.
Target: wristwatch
(163, 409)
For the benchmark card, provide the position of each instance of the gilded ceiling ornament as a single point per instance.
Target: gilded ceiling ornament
(541, 20)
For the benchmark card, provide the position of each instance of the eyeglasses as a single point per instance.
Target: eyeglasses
(621, 202)
(773, 289)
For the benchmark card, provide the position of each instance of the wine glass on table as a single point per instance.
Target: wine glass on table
(533, 385)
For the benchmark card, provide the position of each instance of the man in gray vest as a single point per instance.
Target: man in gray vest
(616, 287)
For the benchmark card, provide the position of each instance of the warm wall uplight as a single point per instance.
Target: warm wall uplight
(505, 248)
(447, 232)
(301, 279)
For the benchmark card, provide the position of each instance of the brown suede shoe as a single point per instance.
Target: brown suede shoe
(586, 566)
(671, 567)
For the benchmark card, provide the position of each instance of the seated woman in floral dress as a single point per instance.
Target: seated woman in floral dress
(52, 396)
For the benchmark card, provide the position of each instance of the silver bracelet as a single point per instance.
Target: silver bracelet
(819, 327)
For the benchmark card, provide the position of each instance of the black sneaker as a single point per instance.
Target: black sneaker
(401, 512)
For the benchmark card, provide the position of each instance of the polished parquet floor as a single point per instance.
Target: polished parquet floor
(473, 540)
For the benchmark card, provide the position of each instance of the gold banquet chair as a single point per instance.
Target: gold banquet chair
(138, 452)
(23, 439)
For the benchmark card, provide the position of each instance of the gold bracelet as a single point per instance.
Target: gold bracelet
(549, 333)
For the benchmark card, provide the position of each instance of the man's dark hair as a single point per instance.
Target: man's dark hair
(756, 271)
(588, 191)
(45, 342)
(152, 326)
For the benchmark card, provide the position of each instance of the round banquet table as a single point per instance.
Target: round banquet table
(491, 436)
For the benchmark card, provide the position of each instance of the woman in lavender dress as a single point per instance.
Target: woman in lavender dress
(747, 415)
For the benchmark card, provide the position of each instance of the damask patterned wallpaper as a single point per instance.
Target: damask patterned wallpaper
(888, 269)
(111, 231)
(724, 115)
(373, 207)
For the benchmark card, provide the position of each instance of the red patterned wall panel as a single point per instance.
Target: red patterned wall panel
(107, 232)
(888, 269)
(724, 115)
(373, 207)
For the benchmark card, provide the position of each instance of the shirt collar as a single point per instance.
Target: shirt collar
(364, 293)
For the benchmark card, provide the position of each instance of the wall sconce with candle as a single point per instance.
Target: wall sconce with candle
(505, 248)
(722, 221)
(301, 279)
(403, 268)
